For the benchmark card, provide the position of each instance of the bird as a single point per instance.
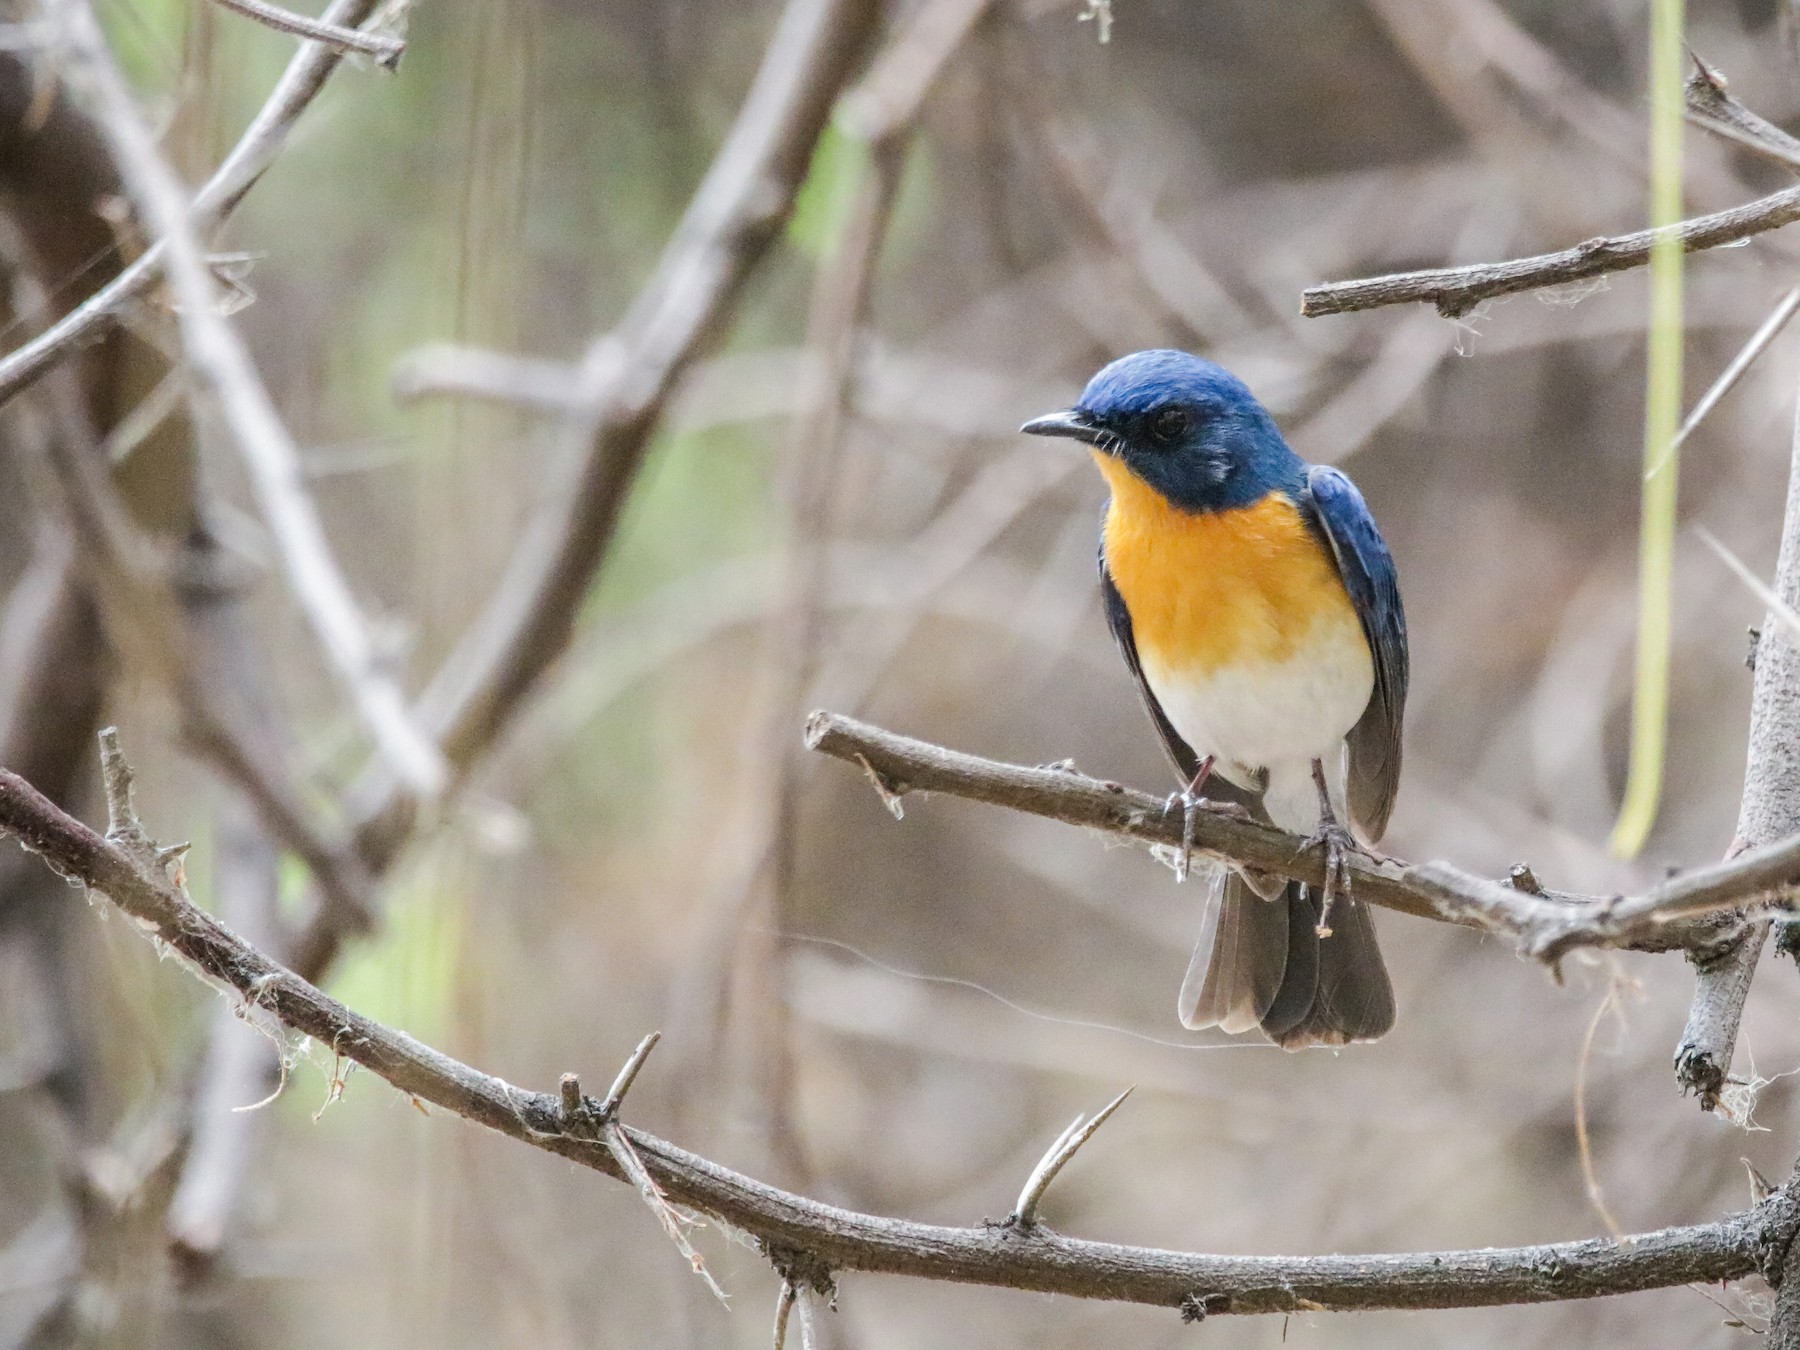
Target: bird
(1257, 607)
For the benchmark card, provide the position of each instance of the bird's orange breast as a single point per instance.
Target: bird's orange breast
(1214, 590)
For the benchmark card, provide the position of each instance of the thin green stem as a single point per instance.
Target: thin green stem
(1662, 416)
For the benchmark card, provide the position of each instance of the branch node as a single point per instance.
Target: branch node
(574, 1105)
(123, 827)
(1522, 878)
(800, 1269)
(1024, 1215)
(1787, 939)
(1198, 1307)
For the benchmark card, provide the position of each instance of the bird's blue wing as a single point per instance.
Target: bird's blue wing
(1367, 569)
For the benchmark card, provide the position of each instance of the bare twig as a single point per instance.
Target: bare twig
(497, 377)
(615, 1095)
(386, 50)
(1778, 609)
(887, 100)
(784, 1307)
(805, 1302)
(1759, 342)
(1457, 290)
(226, 386)
(673, 1222)
(255, 150)
(1739, 1244)
(1024, 1213)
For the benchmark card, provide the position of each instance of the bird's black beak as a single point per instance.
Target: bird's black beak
(1071, 422)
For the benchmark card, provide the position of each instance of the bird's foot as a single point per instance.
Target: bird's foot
(1339, 846)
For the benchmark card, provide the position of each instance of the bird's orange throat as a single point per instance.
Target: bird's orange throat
(1221, 589)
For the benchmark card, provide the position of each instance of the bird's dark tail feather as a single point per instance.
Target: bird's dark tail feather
(1260, 963)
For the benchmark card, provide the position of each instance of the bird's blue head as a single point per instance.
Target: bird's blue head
(1190, 429)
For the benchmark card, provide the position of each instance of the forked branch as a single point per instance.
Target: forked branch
(1756, 1240)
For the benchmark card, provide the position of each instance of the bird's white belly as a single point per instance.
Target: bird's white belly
(1278, 716)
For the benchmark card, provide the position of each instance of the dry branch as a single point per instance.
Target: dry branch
(225, 387)
(613, 405)
(255, 150)
(1457, 290)
(626, 377)
(444, 368)
(1753, 1241)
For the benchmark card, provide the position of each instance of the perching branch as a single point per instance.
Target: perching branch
(1545, 924)
(829, 1238)
(1457, 290)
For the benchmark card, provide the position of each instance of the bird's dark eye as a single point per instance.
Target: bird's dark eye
(1171, 424)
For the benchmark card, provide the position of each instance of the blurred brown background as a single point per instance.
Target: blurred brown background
(900, 1017)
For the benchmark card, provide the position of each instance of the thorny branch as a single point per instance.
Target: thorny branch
(829, 1238)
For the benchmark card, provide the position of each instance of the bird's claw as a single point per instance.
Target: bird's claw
(1192, 804)
(1338, 845)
